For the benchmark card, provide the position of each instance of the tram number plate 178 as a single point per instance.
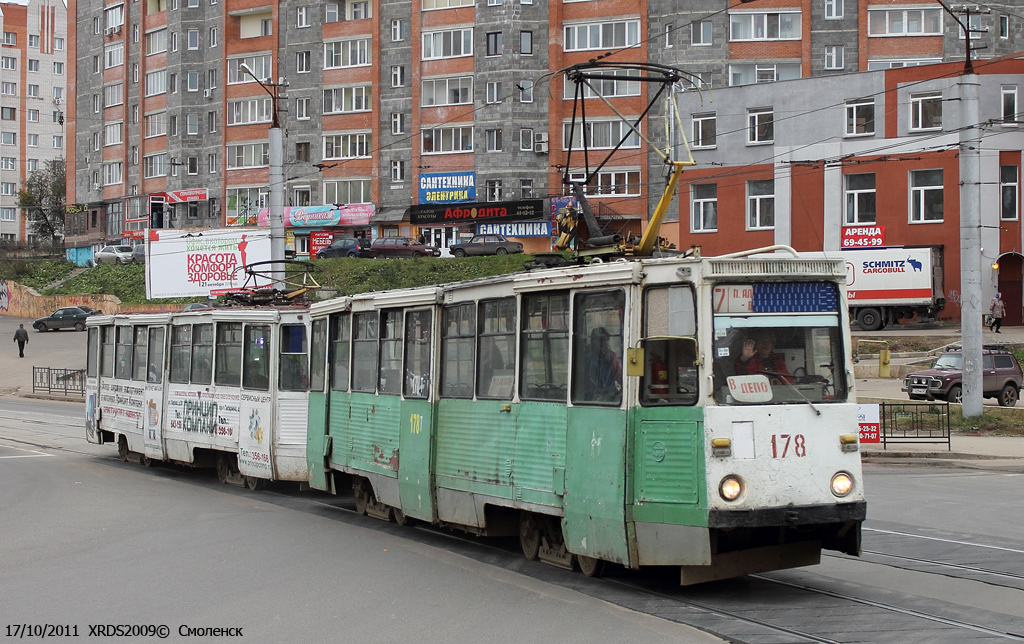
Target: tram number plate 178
(784, 445)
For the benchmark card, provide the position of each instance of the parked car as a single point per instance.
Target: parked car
(1001, 378)
(139, 254)
(347, 247)
(69, 317)
(402, 247)
(485, 245)
(113, 255)
(197, 306)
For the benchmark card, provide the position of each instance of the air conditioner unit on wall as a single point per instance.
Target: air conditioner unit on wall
(207, 93)
(95, 186)
(541, 143)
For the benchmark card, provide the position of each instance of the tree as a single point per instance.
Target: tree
(43, 200)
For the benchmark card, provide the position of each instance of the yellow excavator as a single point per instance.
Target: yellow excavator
(595, 244)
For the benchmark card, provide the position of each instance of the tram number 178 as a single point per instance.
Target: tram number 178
(784, 445)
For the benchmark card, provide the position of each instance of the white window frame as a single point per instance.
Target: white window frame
(757, 203)
(700, 134)
(702, 208)
(608, 132)
(493, 94)
(835, 57)
(494, 140)
(450, 139)
(919, 196)
(834, 9)
(885, 23)
(1007, 186)
(765, 26)
(302, 17)
(526, 139)
(353, 52)
(610, 182)
(853, 108)
(853, 208)
(756, 121)
(702, 33)
(347, 145)
(592, 36)
(348, 100)
(1008, 105)
(447, 43)
(918, 111)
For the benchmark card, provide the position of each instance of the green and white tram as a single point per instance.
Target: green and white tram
(624, 412)
(224, 388)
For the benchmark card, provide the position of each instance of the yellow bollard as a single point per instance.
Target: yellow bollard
(883, 363)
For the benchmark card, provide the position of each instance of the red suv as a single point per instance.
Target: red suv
(1001, 378)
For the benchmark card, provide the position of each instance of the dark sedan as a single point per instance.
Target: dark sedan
(348, 247)
(485, 245)
(402, 247)
(69, 317)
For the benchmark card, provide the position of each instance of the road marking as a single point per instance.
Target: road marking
(31, 452)
(960, 543)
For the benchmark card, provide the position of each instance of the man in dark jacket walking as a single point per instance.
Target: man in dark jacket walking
(21, 337)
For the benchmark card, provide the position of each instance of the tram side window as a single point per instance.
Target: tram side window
(545, 340)
(364, 352)
(391, 352)
(340, 355)
(256, 362)
(155, 368)
(670, 347)
(497, 349)
(107, 357)
(139, 357)
(294, 367)
(457, 351)
(202, 354)
(597, 348)
(417, 354)
(229, 354)
(123, 369)
(181, 352)
(318, 356)
(92, 353)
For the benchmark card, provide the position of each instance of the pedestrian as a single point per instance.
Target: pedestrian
(998, 309)
(21, 337)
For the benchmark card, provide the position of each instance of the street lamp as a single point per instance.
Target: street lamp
(276, 141)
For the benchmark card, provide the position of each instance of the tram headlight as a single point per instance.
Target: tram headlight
(731, 487)
(842, 484)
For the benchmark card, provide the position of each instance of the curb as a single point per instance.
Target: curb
(53, 397)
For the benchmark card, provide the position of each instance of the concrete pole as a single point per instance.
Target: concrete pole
(277, 202)
(972, 306)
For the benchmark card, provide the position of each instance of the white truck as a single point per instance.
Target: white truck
(886, 285)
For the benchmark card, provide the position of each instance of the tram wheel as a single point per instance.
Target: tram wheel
(223, 469)
(122, 448)
(590, 566)
(146, 461)
(529, 535)
(254, 483)
(361, 495)
(399, 516)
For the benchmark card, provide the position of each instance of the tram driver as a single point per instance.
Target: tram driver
(758, 357)
(605, 369)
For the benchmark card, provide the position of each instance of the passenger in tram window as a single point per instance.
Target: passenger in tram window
(605, 370)
(758, 357)
(491, 362)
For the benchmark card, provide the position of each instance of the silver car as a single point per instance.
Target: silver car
(113, 255)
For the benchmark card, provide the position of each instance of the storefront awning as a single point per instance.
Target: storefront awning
(390, 215)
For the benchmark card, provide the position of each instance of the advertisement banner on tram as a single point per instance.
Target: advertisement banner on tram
(188, 263)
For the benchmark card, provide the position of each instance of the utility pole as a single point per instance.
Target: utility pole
(276, 211)
(971, 309)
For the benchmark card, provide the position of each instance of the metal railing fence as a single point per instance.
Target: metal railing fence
(915, 423)
(67, 382)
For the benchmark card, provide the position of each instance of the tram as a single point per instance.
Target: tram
(224, 388)
(688, 412)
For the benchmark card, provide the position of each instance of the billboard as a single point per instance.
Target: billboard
(447, 187)
(189, 263)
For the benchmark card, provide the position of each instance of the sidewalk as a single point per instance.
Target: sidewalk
(57, 349)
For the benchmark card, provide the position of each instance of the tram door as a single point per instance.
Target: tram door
(152, 438)
(318, 441)
(291, 405)
(416, 441)
(92, 403)
(255, 404)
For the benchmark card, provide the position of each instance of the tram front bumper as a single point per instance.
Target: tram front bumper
(791, 515)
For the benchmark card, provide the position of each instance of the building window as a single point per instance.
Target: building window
(302, 17)
(602, 35)
(761, 204)
(1009, 104)
(303, 64)
(860, 117)
(601, 135)
(904, 22)
(211, 121)
(192, 166)
(302, 109)
(331, 13)
(447, 44)
(1004, 27)
(493, 189)
(192, 123)
(7, 214)
(344, 100)
(33, 116)
(860, 199)
(397, 171)
(526, 139)
(397, 30)
(926, 111)
(193, 39)
(346, 192)
(446, 4)
(526, 188)
(1008, 179)
(211, 160)
(926, 196)
(447, 139)
(156, 83)
(705, 130)
(347, 146)
(58, 69)
(192, 81)
(493, 140)
(258, 65)
(700, 33)
(494, 92)
(751, 73)
(112, 133)
(494, 43)
(347, 53)
(9, 113)
(526, 91)
(214, 36)
(8, 163)
(302, 152)
(455, 90)
(834, 57)
(252, 110)
(397, 75)
(610, 183)
(33, 90)
(359, 10)
(398, 123)
(8, 89)
(526, 43)
(764, 26)
(760, 125)
(247, 155)
(10, 38)
(705, 207)
(833, 9)
(33, 65)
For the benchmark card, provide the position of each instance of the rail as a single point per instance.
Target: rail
(49, 380)
(915, 423)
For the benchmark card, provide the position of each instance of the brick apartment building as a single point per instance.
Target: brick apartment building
(385, 99)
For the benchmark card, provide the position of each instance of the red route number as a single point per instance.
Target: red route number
(782, 444)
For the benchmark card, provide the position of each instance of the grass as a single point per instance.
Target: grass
(34, 273)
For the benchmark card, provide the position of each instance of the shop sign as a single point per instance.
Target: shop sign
(520, 229)
(317, 216)
(869, 424)
(863, 236)
(476, 213)
(183, 196)
(319, 239)
(447, 187)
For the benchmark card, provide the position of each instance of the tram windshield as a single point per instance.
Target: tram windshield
(778, 343)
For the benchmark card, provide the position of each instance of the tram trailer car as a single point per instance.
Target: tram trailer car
(603, 413)
(224, 388)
